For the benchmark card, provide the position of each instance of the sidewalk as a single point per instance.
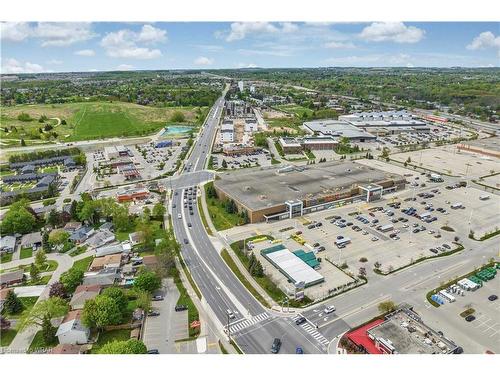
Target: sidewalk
(219, 241)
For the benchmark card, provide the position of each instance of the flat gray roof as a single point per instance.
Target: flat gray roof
(337, 128)
(269, 187)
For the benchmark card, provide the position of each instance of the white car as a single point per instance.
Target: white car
(374, 239)
(329, 309)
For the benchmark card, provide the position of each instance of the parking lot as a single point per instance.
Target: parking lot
(448, 160)
(255, 159)
(479, 335)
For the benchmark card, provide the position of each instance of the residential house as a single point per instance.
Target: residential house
(135, 238)
(107, 226)
(11, 278)
(81, 235)
(108, 261)
(112, 249)
(72, 226)
(7, 244)
(82, 294)
(100, 238)
(72, 331)
(32, 240)
(104, 277)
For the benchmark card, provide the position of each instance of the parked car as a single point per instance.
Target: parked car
(180, 307)
(299, 350)
(157, 297)
(493, 297)
(153, 351)
(153, 313)
(470, 318)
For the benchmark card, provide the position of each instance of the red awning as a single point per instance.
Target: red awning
(360, 337)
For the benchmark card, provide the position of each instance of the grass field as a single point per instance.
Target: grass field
(38, 345)
(109, 336)
(28, 303)
(83, 264)
(6, 258)
(7, 336)
(298, 110)
(91, 120)
(220, 218)
(27, 252)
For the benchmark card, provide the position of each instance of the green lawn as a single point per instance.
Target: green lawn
(83, 264)
(220, 218)
(28, 303)
(7, 336)
(39, 345)
(203, 217)
(78, 251)
(296, 109)
(6, 258)
(42, 281)
(27, 252)
(109, 336)
(92, 120)
(49, 170)
(50, 266)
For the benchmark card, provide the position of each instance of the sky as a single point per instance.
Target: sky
(35, 47)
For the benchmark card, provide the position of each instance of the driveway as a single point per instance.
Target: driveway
(29, 291)
(160, 332)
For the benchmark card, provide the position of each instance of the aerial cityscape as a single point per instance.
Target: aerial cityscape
(250, 188)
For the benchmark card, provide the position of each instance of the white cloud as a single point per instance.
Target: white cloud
(239, 30)
(62, 34)
(485, 40)
(13, 66)
(125, 67)
(124, 43)
(54, 62)
(396, 32)
(14, 31)
(51, 34)
(85, 52)
(339, 45)
(246, 65)
(202, 60)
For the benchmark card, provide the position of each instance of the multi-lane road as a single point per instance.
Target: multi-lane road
(254, 327)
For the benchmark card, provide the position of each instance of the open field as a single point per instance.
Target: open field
(91, 120)
(298, 110)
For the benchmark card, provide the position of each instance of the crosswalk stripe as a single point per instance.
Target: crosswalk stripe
(238, 326)
(315, 333)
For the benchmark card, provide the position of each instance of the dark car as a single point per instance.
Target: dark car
(493, 297)
(470, 318)
(153, 351)
(300, 320)
(275, 348)
(299, 350)
(180, 307)
(186, 241)
(153, 313)
(319, 224)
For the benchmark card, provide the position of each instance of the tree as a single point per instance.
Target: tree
(40, 258)
(224, 164)
(45, 242)
(71, 279)
(386, 307)
(57, 290)
(19, 218)
(58, 237)
(41, 315)
(118, 296)
(147, 281)
(34, 272)
(100, 312)
(146, 234)
(12, 303)
(177, 116)
(4, 323)
(53, 218)
(63, 122)
(23, 142)
(159, 210)
(121, 219)
(143, 300)
(131, 346)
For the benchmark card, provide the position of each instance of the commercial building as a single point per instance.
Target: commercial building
(278, 193)
(297, 145)
(338, 129)
(131, 194)
(293, 266)
(486, 146)
(113, 152)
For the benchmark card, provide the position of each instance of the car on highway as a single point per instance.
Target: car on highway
(493, 297)
(300, 320)
(189, 225)
(186, 241)
(180, 308)
(299, 350)
(275, 348)
(329, 309)
(179, 216)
